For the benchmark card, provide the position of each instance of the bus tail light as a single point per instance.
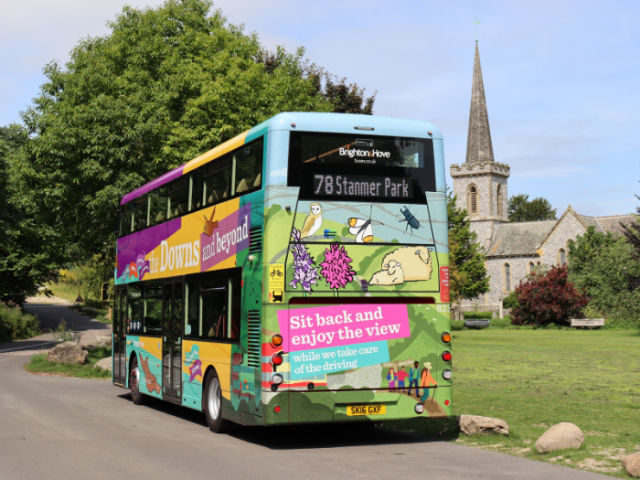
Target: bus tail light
(277, 379)
(276, 340)
(446, 356)
(419, 408)
(447, 374)
(277, 409)
(446, 337)
(276, 359)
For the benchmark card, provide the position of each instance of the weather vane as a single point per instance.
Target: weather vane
(476, 22)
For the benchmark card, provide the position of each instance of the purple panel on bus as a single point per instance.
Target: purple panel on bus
(153, 184)
(141, 243)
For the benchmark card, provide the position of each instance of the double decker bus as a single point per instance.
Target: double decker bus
(297, 273)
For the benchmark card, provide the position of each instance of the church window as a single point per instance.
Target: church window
(507, 278)
(562, 258)
(472, 200)
(532, 267)
(499, 200)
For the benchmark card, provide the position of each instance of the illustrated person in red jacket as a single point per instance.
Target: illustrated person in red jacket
(402, 375)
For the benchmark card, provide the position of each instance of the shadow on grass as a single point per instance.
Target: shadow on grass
(321, 436)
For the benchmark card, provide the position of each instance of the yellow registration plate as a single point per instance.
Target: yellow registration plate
(353, 410)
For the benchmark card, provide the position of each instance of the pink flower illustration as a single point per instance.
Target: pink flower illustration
(336, 268)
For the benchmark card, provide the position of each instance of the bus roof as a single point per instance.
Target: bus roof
(304, 122)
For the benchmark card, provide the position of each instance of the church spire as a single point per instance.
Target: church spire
(479, 147)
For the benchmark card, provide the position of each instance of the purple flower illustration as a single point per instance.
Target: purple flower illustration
(304, 273)
(336, 268)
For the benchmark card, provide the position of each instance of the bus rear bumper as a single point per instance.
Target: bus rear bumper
(374, 406)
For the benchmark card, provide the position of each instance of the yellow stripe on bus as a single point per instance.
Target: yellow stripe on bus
(220, 150)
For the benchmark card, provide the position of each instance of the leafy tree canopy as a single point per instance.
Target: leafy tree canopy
(166, 85)
(523, 210)
(29, 247)
(467, 271)
(603, 265)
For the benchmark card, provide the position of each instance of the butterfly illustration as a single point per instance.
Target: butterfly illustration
(362, 228)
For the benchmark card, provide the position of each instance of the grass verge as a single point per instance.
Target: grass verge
(534, 379)
(40, 364)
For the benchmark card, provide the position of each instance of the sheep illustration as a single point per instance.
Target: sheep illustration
(406, 264)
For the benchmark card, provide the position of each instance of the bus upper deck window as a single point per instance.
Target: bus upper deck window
(178, 198)
(217, 181)
(158, 206)
(248, 174)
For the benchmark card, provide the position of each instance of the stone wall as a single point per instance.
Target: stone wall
(568, 229)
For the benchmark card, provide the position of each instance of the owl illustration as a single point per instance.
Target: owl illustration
(313, 222)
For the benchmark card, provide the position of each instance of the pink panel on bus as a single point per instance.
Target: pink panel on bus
(337, 325)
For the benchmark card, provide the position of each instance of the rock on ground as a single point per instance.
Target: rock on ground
(631, 464)
(68, 352)
(101, 341)
(559, 437)
(104, 364)
(473, 424)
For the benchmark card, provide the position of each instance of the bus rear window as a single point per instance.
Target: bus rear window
(360, 167)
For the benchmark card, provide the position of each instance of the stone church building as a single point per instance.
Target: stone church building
(513, 249)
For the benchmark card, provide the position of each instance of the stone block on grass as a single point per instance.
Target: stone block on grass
(101, 341)
(104, 364)
(475, 424)
(68, 352)
(631, 464)
(560, 437)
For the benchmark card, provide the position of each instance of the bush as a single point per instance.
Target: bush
(15, 324)
(457, 325)
(548, 298)
(510, 301)
(478, 315)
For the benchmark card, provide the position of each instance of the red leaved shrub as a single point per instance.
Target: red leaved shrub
(548, 298)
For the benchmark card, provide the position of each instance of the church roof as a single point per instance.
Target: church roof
(612, 223)
(521, 238)
(479, 146)
(591, 222)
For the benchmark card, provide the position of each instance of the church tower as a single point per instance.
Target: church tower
(480, 183)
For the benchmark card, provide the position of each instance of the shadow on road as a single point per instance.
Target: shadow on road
(296, 437)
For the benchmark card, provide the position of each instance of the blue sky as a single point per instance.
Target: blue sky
(561, 77)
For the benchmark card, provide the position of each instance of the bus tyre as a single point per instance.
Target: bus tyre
(134, 383)
(213, 405)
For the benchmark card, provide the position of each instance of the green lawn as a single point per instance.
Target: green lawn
(39, 364)
(534, 379)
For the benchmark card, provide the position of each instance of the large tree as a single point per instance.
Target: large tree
(521, 209)
(605, 266)
(166, 85)
(29, 247)
(467, 269)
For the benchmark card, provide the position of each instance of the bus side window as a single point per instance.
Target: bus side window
(158, 206)
(217, 181)
(212, 309)
(152, 310)
(125, 221)
(195, 190)
(178, 198)
(248, 165)
(139, 212)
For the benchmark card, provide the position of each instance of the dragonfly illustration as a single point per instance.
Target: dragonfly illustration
(362, 228)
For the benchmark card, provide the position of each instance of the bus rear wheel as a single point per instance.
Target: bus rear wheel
(134, 383)
(213, 405)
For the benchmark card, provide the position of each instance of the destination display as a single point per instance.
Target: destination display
(363, 186)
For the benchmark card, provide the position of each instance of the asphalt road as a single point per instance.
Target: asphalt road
(63, 428)
(50, 316)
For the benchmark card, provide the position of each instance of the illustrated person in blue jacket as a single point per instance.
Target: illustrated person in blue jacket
(414, 375)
